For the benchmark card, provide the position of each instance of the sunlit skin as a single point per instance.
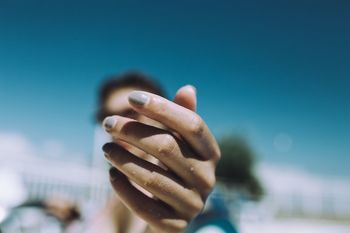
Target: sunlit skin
(165, 159)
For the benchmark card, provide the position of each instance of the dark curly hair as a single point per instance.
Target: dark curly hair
(128, 79)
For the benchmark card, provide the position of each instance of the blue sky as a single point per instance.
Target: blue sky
(262, 69)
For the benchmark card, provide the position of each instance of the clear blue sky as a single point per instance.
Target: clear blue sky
(261, 68)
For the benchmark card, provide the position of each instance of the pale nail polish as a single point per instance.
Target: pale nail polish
(107, 147)
(138, 98)
(113, 173)
(109, 122)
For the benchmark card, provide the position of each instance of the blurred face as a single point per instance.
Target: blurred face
(117, 104)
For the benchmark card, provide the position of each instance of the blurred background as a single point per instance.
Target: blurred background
(272, 77)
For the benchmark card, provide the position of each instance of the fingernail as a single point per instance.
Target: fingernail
(193, 88)
(107, 156)
(109, 122)
(138, 98)
(107, 147)
(113, 173)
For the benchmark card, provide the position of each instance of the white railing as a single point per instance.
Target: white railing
(86, 184)
(46, 178)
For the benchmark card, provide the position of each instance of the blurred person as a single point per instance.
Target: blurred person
(215, 218)
(162, 157)
(51, 215)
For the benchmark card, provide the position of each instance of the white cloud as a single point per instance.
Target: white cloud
(15, 145)
(52, 149)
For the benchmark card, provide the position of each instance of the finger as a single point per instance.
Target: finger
(180, 119)
(154, 179)
(186, 97)
(157, 214)
(166, 148)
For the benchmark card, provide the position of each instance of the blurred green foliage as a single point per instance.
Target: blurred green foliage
(236, 167)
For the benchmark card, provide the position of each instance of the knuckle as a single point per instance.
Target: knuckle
(194, 206)
(197, 206)
(166, 145)
(153, 181)
(217, 154)
(208, 182)
(158, 106)
(196, 125)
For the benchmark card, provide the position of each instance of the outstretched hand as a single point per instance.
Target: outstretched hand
(187, 152)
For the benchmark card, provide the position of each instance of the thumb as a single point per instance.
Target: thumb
(186, 96)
